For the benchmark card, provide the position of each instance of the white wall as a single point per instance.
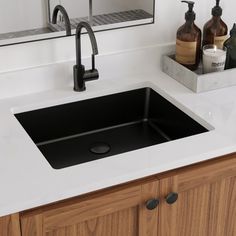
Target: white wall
(169, 16)
(108, 6)
(21, 15)
(74, 8)
(80, 8)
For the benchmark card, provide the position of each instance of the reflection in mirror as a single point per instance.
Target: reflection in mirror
(77, 10)
(116, 13)
(105, 14)
(62, 10)
(27, 20)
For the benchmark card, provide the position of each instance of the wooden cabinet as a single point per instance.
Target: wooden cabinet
(10, 225)
(118, 213)
(201, 202)
(206, 204)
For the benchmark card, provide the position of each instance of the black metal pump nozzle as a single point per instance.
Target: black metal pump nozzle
(217, 10)
(190, 14)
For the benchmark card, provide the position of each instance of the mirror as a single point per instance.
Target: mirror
(27, 20)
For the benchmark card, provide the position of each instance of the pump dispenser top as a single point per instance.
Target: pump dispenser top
(217, 10)
(190, 14)
(215, 30)
(188, 40)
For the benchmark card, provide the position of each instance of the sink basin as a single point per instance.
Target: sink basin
(88, 130)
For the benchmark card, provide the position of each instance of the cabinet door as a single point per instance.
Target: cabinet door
(119, 213)
(206, 204)
(10, 225)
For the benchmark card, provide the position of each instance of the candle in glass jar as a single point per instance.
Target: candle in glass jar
(213, 58)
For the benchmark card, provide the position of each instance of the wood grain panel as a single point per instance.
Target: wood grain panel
(167, 214)
(192, 215)
(230, 211)
(218, 207)
(66, 231)
(206, 203)
(207, 174)
(32, 226)
(117, 224)
(206, 207)
(10, 225)
(118, 213)
(92, 208)
(148, 220)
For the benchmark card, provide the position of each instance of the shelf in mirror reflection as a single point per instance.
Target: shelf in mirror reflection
(108, 19)
(48, 33)
(32, 21)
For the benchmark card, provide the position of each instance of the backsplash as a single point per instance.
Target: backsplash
(59, 76)
(169, 15)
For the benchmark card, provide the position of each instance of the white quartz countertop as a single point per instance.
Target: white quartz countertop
(27, 180)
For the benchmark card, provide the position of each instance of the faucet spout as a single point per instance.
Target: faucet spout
(93, 41)
(80, 74)
(65, 16)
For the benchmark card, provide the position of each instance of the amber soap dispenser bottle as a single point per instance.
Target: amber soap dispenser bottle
(215, 30)
(188, 40)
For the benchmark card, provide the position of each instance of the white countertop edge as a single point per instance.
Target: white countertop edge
(7, 210)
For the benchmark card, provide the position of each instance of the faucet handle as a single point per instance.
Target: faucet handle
(87, 75)
(91, 74)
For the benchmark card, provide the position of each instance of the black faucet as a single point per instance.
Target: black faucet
(80, 74)
(65, 16)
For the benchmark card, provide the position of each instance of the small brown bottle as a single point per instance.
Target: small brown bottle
(188, 41)
(215, 30)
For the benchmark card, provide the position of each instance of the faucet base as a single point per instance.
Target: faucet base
(79, 83)
(81, 76)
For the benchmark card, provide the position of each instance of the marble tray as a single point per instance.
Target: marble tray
(196, 80)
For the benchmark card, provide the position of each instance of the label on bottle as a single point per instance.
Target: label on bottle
(219, 41)
(186, 52)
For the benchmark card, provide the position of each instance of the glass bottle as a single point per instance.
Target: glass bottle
(188, 41)
(215, 30)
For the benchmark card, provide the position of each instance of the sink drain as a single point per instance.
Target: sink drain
(100, 148)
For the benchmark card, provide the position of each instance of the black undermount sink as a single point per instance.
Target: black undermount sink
(88, 130)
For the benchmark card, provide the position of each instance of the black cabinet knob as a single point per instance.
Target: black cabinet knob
(171, 198)
(152, 204)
